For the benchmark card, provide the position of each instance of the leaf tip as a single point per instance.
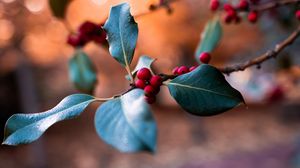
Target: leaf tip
(6, 143)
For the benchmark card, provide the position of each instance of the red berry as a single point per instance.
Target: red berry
(205, 57)
(243, 5)
(192, 68)
(298, 14)
(144, 74)
(140, 84)
(252, 16)
(150, 99)
(214, 5)
(276, 94)
(75, 40)
(227, 19)
(227, 7)
(99, 36)
(91, 31)
(149, 90)
(183, 70)
(156, 81)
(88, 27)
(84, 37)
(175, 71)
(232, 14)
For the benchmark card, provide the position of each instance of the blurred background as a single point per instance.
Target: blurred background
(34, 77)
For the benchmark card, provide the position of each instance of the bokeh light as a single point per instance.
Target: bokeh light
(35, 6)
(6, 30)
(8, 1)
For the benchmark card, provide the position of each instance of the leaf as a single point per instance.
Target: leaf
(204, 92)
(144, 62)
(82, 72)
(122, 32)
(26, 128)
(210, 37)
(126, 123)
(59, 7)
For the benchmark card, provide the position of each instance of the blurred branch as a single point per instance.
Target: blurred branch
(273, 4)
(166, 77)
(132, 86)
(164, 4)
(264, 57)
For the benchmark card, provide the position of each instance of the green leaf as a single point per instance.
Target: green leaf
(204, 92)
(144, 62)
(59, 7)
(210, 37)
(126, 123)
(26, 128)
(82, 72)
(122, 33)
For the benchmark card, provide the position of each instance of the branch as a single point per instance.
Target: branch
(153, 8)
(116, 96)
(264, 57)
(274, 4)
(166, 77)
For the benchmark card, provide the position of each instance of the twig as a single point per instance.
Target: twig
(153, 8)
(273, 4)
(264, 57)
(166, 77)
(256, 61)
(116, 96)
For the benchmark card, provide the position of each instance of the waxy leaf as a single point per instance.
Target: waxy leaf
(122, 32)
(144, 62)
(25, 128)
(210, 37)
(59, 7)
(204, 92)
(82, 72)
(126, 123)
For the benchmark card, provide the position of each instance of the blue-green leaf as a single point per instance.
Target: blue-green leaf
(58, 7)
(126, 123)
(122, 33)
(144, 62)
(82, 72)
(204, 92)
(26, 128)
(210, 37)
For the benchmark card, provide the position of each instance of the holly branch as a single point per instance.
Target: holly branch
(273, 4)
(264, 57)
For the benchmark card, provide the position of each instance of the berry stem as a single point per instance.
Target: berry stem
(264, 57)
(273, 4)
(115, 96)
(165, 4)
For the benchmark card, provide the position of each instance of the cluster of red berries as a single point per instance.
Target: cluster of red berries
(87, 32)
(231, 14)
(150, 84)
(203, 57)
(183, 70)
